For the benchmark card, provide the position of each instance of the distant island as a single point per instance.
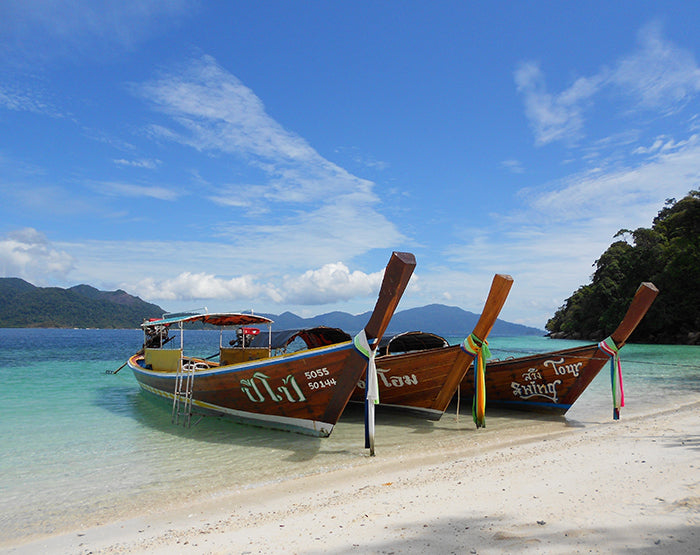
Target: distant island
(668, 255)
(23, 305)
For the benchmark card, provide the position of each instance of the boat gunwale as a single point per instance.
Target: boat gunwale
(536, 356)
(242, 366)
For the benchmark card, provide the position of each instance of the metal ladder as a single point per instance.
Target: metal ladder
(182, 396)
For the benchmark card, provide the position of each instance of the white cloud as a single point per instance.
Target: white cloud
(221, 113)
(143, 163)
(553, 241)
(131, 190)
(201, 286)
(160, 277)
(27, 253)
(27, 100)
(664, 145)
(631, 193)
(658, 145)
(550, 245)
(241, 196)
(657, 76)
(329, 284)
(553, 117)
(214, 111)
(515, 166)
(45, 29)
(315, 211)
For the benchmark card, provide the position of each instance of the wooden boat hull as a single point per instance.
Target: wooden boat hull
(549, 382)
(303, 392)
(415, 381)
(423, 382)
(553, 381)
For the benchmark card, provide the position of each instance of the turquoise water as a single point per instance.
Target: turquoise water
(81, 447)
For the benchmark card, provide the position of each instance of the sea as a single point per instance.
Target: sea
(80, 447)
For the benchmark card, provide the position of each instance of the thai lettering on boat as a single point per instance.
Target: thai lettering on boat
(391, 381)
(532, 375)
(529, 390)
(251, 388)
(291, 382)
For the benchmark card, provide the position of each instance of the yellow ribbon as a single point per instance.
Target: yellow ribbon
(479, 349)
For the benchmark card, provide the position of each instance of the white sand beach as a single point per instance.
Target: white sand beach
(627, 486)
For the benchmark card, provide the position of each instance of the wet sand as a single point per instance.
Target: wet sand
(627, 486)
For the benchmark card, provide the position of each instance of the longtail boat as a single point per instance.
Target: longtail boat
(551, 382)
(420, 372)
(304, 391)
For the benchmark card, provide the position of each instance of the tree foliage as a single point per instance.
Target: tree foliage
(668, 255)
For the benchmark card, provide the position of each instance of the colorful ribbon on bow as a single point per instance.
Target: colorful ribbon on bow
(479, 349)
(609, 348)
(371, 387)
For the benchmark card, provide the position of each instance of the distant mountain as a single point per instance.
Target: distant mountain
(444, 320)
(23, 305)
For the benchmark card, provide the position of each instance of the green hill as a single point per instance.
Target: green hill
(668, 255)
(23, 305)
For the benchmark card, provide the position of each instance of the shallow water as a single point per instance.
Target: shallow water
(81, 446)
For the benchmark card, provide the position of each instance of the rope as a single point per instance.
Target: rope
(458, 401)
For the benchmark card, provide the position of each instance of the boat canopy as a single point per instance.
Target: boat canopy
(411, 341)
(214, 318)
(321, 336)
(313, 337)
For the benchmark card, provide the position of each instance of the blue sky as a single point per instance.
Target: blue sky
(270, 155)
